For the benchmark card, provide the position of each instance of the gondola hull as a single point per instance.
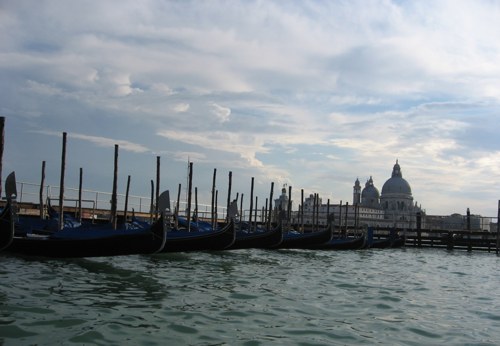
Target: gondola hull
(87, 242)
(183, 241)
(306, 240)
(260, 240)
(342, 244)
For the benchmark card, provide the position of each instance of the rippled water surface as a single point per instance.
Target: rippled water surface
(253, 297)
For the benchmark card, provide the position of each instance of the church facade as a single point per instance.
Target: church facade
(393, 207)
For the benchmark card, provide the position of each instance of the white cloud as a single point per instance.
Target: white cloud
(101, 141)
(181, 107)
(222, 113)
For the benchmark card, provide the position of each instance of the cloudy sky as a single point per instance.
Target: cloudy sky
(312, 94)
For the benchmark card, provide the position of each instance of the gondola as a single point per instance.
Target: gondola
(296, 240)
(197, 225)
(83, 241)
(343, 243)
(265, 239)
(393, 241)
(183, 240)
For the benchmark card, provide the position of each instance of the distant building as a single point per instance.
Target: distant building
(395, 202)
(394, 207)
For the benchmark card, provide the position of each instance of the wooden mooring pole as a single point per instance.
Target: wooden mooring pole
(190, 187)
(302, 209)
(229, 195)
(61, 184)
(157, 195)
(469, 240)
(151, 205)
(2, 141)
(419, 229)
(498, 228)
(213, 199)
(80, 183)
(289, 206)
(271, 206)
(125, 211)
(42, 182)
(114, 202)
(251, 204)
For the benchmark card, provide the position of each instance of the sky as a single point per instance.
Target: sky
(311, 94)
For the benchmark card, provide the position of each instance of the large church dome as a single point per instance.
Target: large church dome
(396, 184)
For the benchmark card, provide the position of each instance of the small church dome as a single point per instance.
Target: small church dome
(370, 191)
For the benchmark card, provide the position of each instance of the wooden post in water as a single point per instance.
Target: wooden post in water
(302, 209)
(356, 209)
(61, 183)
(251, 205)
(42, 183)
(419, 228)
(328, 209)
(80, 184)
(151, 205)
(241, 209)
(318, 204)
(177, 207)
(125, 212)
(313, 216)
(266, 216)
(157, 196)
(215, 208)
(2, 141)
(271, 206)
(498, 227)
(346, 215)
(190, 187)
(340, 219)
(289, 206)
(195, 213)
(469, 240)
(229, 195)
(256, 209)
(114, 201)
(213, 199)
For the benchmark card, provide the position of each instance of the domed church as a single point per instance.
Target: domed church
(395, 202)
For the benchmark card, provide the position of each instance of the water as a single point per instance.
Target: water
(253, 297)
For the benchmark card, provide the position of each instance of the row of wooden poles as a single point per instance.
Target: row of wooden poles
(114, 202)
(267, 210)
(114, 218)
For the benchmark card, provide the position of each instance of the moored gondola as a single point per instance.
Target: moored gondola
(83, 241)
(343, 243)
(265, 239)
(296, 240)
(184, 240)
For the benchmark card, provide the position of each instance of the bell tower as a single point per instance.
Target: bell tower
(356, 195)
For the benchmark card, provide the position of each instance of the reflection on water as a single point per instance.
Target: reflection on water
(253, 297)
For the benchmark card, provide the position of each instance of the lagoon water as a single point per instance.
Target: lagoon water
(253, 297)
